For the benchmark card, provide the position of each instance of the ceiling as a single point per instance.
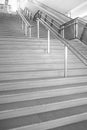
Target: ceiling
(2, 1)
(63, 6)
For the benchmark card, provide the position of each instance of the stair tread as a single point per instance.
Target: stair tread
(33, 92)
(40, 74)
(41, 118)
(40, 94)
(40, 83)
(43, 101)
(34, 67)
(29, 90)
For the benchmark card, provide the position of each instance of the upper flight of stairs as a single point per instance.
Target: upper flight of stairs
(9, 26)
(79, 46)
(34, 95)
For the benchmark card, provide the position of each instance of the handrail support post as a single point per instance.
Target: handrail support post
(22, 25)
(65, 61)
(63, 32)
(38, 26)
(26, 29)
(65, 56)
(48, 41)
(76, 28)
(30, 32)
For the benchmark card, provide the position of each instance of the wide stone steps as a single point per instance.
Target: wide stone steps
(28, 42)
(34, 95)
(46, 120)
(8, 76)
(40, 93)
(37, 59)
(79, 46)
(25, 47)
(36, 67)
(29, 107)
(28, 84)
(27, 61)
(27, 57)
(40, 106)
(10, 26)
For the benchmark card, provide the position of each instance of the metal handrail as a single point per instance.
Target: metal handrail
(59, 37)
(45, 6)
(65, 42)
(65, 25)
(47, 12)
(24, 19)
(68, 23)
(26, 24)
(62, 27)
(53, 23)
(56, 20)
(47, 20)
(50, 16)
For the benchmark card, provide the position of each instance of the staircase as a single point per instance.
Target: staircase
(34, 95)
(9, 26)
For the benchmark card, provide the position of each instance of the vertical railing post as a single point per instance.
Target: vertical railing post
(25, 29)
(76, 26)
(22, 25)
(38, 26)
(63, 32)
(65, 56)
(48, 41)
(65, 61)
(30, 31)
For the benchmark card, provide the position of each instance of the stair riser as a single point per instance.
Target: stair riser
(28, 42)
(40, 83)
(41, 74)
(41, 108)
(35, 67)
(24, 40)
(26, 52)
(35, 59)
(41, 94)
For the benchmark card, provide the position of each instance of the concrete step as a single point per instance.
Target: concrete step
(29, 62)
(79, 46)
(33, 61)
(34, 95)
(40, 83)
(46, 120)
(25, 56)
(23, 41)
(29, 107)
(37, 67)
(8, 76)
(10, 96)
(30, 46)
